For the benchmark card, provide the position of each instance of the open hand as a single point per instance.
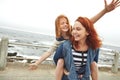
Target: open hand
(33, 66)
(114, 4)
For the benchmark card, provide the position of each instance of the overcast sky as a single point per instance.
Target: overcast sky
(39, 16)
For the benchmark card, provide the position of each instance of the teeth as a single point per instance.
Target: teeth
(76, 35)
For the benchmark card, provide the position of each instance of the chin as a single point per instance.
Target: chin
(65, 30)
(76, 39)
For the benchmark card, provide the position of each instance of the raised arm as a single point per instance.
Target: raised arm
(108, 8)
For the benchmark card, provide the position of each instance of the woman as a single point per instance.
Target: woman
(62, 21)
(94, 70)
(81, 50)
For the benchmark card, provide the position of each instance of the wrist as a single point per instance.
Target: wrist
(105, 10)
(37, 63)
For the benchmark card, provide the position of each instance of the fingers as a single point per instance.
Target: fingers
(113, 1)
(105, 2)
(117, 3)
(32, 67)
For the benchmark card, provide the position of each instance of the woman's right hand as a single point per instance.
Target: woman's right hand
(113, 5)
(33, 66)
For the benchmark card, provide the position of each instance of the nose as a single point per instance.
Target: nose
(66, 24)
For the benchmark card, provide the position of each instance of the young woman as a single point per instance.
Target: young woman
(79, 52)
(63, 29)
(94, 70)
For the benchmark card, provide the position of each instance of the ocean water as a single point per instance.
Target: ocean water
(15, 36)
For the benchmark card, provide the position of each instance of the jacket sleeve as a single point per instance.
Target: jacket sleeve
(59, 49)
(58, 54)
(96, 55)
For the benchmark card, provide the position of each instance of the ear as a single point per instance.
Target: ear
(87, 33)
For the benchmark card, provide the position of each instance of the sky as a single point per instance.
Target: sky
(39, 16)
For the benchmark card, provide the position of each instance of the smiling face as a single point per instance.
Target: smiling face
(64, 27)
(79, 32)
(83, 32)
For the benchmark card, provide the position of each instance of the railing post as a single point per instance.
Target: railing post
(115, 62)
(3, 52)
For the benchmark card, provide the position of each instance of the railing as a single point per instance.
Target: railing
(110, 57)
(4, 48)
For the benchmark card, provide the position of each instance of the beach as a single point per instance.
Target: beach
(20, 71)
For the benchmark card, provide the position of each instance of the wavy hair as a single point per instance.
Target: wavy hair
(93, 41)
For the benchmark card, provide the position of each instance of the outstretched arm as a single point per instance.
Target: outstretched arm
(108, 8)
(44, 56)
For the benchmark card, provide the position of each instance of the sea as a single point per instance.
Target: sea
(41, 40)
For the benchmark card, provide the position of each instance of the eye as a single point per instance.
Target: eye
(62, 23)
(78, 28)
(66, 22)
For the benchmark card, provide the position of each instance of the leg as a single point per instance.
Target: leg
(59, 69)
(94, 71)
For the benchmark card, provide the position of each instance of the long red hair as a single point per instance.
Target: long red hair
(57, 26)
(93, 41)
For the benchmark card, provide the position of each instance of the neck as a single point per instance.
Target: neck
(82, 42)
(82, 46)
(65, 36)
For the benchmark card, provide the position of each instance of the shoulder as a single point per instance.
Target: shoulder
(95, 50)
(58, 42)
(60, 39)
(67, 43)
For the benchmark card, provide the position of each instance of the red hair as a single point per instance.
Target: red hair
(57, 26)
(92, 40)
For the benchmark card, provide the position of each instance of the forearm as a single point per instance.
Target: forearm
(95, 18)
(49, 52)
(94, 71)
(43, 57)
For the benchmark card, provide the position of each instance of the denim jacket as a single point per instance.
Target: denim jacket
(66, 50)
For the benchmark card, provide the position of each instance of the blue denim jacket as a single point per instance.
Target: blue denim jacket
(66, 50)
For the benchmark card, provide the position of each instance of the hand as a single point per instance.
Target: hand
(33, 66)
(66, 72)
(114, 4)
